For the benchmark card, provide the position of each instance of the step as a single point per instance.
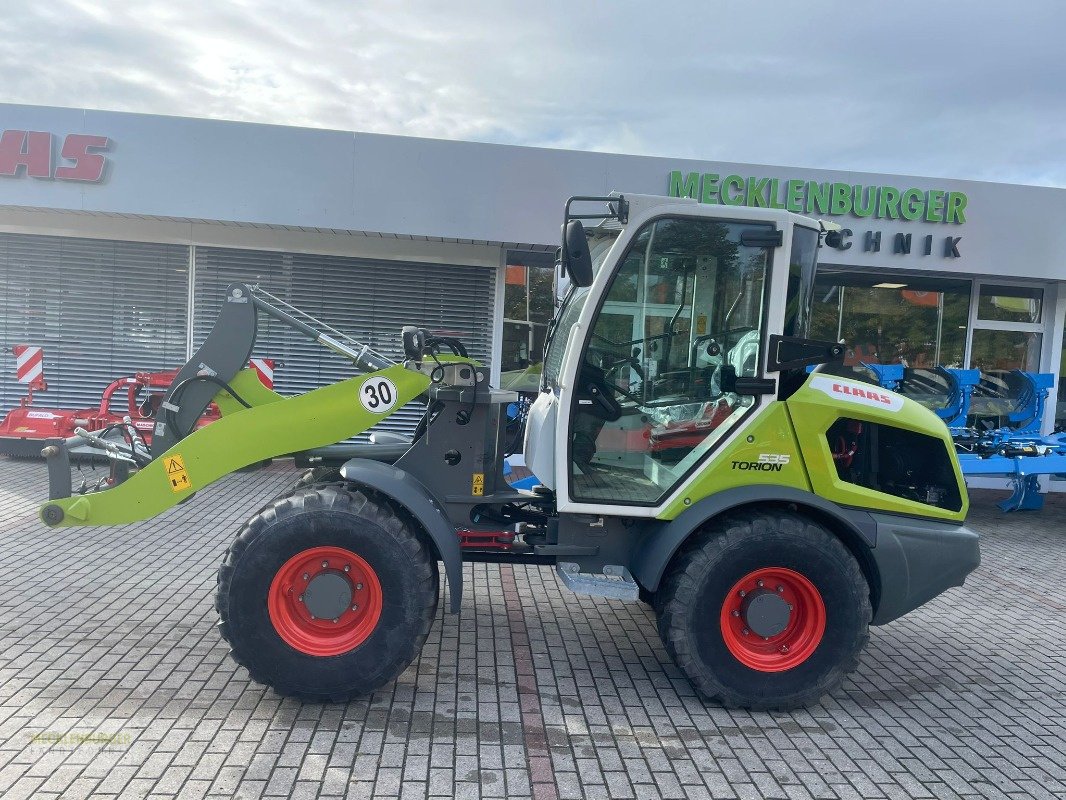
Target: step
(614, 582)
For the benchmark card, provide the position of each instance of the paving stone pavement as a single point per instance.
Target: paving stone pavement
(114, 682)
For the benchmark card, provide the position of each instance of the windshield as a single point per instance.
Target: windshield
(570, 310)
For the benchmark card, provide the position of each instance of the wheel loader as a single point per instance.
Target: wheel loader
(689, 453)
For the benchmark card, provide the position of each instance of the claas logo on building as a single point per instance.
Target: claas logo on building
(34, 154)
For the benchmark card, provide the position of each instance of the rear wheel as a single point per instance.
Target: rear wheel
(764, 610)
(327, 594)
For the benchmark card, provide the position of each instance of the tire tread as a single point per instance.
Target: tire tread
(681, 584)
(375, 509)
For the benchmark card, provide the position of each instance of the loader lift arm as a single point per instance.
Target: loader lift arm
(184, 461)
(224, 353)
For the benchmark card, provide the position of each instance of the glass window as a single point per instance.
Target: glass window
(557, 331)
(527, 310)
(888, 318)
(1009, 303)
(801, 269)
(994, 350)
(1060, 408)
(682, 319)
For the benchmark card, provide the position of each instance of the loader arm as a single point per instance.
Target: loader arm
(256, 424)
(242, 437)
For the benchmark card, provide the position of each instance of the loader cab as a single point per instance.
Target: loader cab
(661, 359)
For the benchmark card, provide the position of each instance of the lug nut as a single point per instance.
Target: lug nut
(338, 619)
(760, 584)
(358, 586)
(301, 598)
(347, 567)
(745, 631)
(325, 564)
(355, 608)
(790, 606)
(743, 593)
(766, 638)
(784, 648)
(313, 617)
(736, 613)
(780, 589)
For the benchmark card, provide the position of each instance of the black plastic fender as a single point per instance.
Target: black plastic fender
(658, 545)
(410, 493)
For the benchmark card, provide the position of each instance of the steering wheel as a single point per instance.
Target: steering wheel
(609, 361)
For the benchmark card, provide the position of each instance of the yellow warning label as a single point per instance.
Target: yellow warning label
(478, 485)
(176, 474)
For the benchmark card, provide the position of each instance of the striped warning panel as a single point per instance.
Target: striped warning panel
(264, 367)
(29, 362)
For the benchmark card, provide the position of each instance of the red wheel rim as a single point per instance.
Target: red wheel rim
(801, 633)
(331, 636)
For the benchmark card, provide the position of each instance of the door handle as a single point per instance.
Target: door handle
(750, 387)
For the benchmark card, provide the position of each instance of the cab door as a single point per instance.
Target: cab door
(655, 381)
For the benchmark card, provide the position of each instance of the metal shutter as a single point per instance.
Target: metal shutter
(369, 300)
(101, 309)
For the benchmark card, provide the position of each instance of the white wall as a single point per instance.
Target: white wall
(271, 175)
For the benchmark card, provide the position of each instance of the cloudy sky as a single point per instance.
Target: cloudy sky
(956, 89)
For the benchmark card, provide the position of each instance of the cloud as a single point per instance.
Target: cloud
(936, 89)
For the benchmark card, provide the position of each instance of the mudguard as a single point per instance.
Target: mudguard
(410, 493)
(658, 545)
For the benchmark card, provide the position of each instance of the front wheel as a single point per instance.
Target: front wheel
(764, 610)
(327, 594)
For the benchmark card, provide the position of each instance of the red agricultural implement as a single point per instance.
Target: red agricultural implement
(137, 397)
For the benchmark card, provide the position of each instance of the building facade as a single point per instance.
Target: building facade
(119, 232)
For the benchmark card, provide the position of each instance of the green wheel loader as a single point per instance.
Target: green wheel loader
(689, 455)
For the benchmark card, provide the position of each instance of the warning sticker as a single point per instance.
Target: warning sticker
(176, 474)
(478, 484)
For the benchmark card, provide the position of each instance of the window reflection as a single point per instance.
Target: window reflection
(892, 319)
(1009, 303)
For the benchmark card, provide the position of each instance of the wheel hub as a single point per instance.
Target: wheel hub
(328, 595)
(766, 613)
(772, 619)
(325, 601)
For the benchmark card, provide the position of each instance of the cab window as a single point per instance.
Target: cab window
(681, 320)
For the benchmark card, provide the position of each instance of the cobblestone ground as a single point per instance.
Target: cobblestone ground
(114, 682)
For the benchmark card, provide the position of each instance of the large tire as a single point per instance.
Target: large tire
(381, 582)
(710, 603)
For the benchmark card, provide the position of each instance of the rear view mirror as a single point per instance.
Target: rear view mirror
(577, 260)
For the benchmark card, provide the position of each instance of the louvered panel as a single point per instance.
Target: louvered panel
(369, 300)
(101, 309)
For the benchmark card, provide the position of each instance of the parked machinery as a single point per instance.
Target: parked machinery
(27, 427)
(1001, 438)
(765, 552)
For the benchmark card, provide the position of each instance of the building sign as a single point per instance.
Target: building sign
(33, 154)
(822, 199)
(838, 199)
